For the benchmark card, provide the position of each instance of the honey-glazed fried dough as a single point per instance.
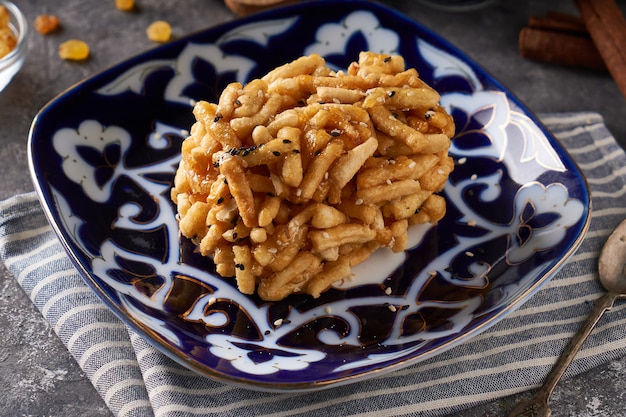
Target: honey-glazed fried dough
(290, 180)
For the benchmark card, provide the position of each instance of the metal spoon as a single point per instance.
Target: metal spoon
(612, 271)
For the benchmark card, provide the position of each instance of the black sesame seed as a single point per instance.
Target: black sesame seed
(216, 164)
(392, 93)
(286, 141)
(318, 152)
(276, 153)
(335, 133)
(240, 266)
(296, 151)
(237, 102)
(235, 235)
(267, 332)
(217, 118)
(387, 59)
(220, 200)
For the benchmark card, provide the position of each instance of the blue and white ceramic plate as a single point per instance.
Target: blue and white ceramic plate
(103, 156)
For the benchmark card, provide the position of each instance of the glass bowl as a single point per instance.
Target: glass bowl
(10, 64)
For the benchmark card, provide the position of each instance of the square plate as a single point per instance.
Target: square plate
(103, 156)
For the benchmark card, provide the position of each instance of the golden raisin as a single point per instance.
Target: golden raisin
(5, 17)
(159, 31)
(46, 23)
(125, 5)
(4, 49)
(74, 49)
(8, 41)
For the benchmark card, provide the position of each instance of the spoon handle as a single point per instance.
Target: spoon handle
(540, 399)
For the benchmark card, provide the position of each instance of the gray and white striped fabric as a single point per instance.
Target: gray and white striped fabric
(135, 379)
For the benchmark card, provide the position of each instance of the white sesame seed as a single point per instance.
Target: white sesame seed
(298, 192)
(473, 177)
(388, 291)
(272, 250)
(471, 223)
(468, 253)
(358, 201)
(392, 308)
(441, 171)
(461, 161)
(278, 322)
(328, 310)
(212, 300)
(326, 235)
(326, 175)
(388, 182)
(412, 165)
(192, 102)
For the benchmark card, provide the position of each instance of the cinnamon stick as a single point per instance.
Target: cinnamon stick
(606, 25)
(248, 7)
(559, 38)
(560, 22)
(559, 48)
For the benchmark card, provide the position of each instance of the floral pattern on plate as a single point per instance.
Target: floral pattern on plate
(103, 156)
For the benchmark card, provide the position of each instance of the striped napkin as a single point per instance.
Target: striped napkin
(135, 379)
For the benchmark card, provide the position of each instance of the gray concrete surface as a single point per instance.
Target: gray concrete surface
(38, 377)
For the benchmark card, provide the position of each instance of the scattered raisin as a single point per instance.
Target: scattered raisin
(159, 31)
(74, 50)
(46, 24)
(125, 5)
